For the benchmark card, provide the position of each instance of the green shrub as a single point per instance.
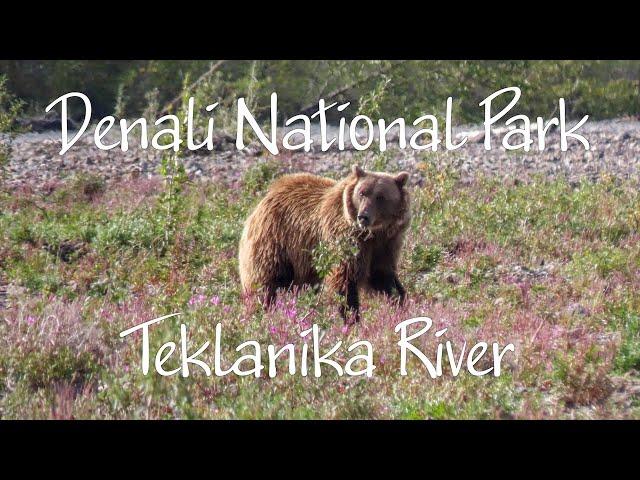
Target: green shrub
(257, 178)
(425, 259)
(628, 356)
(61, 365)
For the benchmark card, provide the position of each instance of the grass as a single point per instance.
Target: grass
(550, 267)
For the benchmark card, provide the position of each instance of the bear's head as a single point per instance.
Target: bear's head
(376, 201)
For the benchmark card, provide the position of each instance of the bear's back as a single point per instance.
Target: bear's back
(293, 202)
(301, 184)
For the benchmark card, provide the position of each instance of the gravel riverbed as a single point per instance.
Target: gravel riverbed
(615, 150)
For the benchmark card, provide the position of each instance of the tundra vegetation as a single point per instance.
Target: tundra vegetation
(549, 265)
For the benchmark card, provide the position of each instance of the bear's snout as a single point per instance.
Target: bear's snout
(364, 221)
(366, 216)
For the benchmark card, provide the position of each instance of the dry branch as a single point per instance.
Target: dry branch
(214, 68)
(307, 109)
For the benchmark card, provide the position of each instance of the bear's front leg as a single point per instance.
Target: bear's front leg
(402, 293)
(387, 282)
(383, 282)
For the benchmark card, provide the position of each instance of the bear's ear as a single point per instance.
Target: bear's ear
(401, 178)
(357, 171)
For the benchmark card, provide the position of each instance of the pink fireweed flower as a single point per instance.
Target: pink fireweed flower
(106, 315)
(272, 330)
(305, 324)
(215, 300)
(197, 299)
(31, 320)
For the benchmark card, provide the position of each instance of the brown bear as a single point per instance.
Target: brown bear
(370, 210)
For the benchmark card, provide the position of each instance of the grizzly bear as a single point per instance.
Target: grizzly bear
(368, 209)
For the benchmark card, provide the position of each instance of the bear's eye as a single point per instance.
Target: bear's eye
(361, 193)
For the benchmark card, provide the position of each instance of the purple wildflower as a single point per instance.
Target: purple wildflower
(197, 299)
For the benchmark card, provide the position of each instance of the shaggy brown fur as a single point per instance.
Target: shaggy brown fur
(370, 209)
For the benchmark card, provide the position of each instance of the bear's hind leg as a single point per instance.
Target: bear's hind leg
(283, 278)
